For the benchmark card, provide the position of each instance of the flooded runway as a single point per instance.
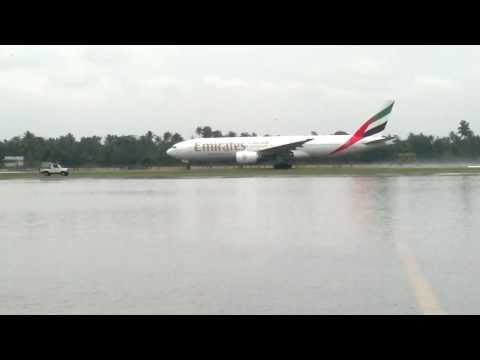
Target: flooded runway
(312, 245)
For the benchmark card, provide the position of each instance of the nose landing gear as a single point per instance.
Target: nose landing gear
(187, 164)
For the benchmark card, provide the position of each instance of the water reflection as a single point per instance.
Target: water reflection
(256, 245)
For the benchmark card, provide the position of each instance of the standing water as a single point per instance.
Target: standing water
(309, 245)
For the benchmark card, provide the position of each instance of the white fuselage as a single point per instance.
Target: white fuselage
(224, 149)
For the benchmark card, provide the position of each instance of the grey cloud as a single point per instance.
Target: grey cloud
(267, 89)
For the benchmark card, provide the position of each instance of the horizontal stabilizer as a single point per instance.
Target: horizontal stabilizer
(383, 140)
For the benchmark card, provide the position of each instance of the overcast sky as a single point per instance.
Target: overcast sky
(287, 90)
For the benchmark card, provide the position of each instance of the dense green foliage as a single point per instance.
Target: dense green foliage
(113, 150)
(150, 149)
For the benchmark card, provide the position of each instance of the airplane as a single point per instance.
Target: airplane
(282, 151)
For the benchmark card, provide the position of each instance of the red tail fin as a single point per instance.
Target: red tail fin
(375, 124)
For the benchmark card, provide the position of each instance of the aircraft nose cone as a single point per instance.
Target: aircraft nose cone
(171, 152)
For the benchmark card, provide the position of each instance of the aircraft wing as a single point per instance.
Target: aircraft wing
(282, 148)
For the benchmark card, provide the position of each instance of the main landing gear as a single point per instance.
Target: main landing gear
(282, 166)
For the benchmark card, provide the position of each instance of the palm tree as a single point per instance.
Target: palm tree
(207, 132)
(176, 138)
(464, 129)
(167, 136)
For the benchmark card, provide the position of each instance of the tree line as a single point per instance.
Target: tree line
(112, 150)
(150, 149)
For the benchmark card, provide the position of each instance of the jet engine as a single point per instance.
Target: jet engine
(246, 157)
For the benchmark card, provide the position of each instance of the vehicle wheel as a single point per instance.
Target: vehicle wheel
(46, 173)
(64, 173)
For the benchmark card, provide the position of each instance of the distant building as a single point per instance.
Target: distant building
(13, 161)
